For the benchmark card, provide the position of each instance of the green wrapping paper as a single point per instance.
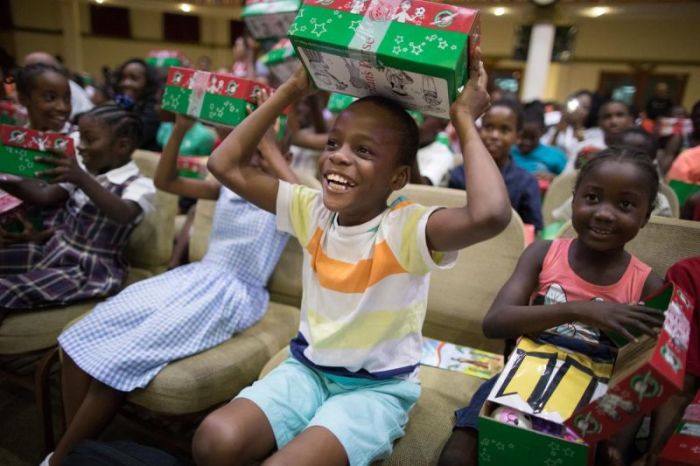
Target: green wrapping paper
(415, 52)
(266, 19)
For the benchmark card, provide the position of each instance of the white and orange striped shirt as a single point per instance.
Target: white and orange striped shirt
(365, 286)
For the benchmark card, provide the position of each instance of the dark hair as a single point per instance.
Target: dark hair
(515, 107)
(649, 140)
(401, 121)
(615, 101)
(152, 83)
(695, 108)
(121, 122)
(533, 112)
(26, 76)
(623, 154)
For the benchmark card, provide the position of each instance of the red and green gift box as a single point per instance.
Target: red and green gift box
(548, 386)
(281, 60)
(683, 448)
(20, 146)
(415, 52)
(192, 166)
(214, 97)
(268, 19)
(12, 113)
(166, 58)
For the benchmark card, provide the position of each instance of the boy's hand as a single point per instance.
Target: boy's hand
(301, 82)
(620, 317)
(184, 122)
(474, 100)
(67, 169)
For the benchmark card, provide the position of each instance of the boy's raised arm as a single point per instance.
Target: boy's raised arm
(487, 210)
(230, 163)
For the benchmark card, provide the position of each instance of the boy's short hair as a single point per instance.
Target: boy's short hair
(649, 139)
(515, 107)
(533, 112)
(615, 101)
(402, 122)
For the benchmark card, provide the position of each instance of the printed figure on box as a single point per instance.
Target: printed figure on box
(402, 15)
(565, 363)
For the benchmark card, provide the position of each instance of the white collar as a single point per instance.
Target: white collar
(121, 174)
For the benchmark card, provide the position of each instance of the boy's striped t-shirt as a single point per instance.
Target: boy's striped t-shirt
(365, 286)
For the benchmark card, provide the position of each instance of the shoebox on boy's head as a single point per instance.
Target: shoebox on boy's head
(19, 147)
(552, 405)
(214, 97)
(412, 51)
(269, 19)
(281, 60)
(683, 448)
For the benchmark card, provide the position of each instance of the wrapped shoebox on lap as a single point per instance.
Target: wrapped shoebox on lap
(214, 97)
(20, 146)
(281, 60)
(683, 448)
(553, 405)
(415, 52)
(268, 19)
(166, 58)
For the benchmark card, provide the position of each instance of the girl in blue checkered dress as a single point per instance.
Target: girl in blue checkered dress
(128, 339)
(101, 203)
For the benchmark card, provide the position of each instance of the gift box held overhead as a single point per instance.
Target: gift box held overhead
(573, 400)
(281, 60)
(213, 97)
(415, 52)
(267, 19)
(166, 58)
(20, 146)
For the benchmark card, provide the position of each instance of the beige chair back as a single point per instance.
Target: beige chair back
(460, 297)
(560, 189)
(151, 243)
(661, 243)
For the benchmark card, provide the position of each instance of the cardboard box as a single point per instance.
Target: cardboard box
(645, 374)
(415, 52)
(267, 19)
(12, 113)
(281, 60)
(683, 448)
(192, 167)
(214, 97)
(470, 361)
(166, 58)
(20, 146)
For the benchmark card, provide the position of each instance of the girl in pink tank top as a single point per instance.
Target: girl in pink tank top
(578, 288)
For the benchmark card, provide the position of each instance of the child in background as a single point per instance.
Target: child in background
(135, 87)
(344, 395)
(613, 118)
(101, 206)
(642, 144)
(530, 154)
(105, 356)
(567, 290)
(571, 129)
(499, 129)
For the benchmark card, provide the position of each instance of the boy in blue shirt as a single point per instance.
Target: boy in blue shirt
(530, 154)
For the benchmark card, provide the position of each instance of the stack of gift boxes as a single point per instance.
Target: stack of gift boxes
(166, 58)
(269, 19)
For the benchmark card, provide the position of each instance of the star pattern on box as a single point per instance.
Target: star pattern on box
(485, 458)
(431, 38)
(416, 49)
(313, 21)
(454, 47)
(568, 452)
(303, 29)
(553, 461)
(511, 446)
(501, 446)
(354, 24)
(398, 40)
(172, 101)
(293, 29)
(442, 45)
(319, 29)
(337, 13)
(397, 49)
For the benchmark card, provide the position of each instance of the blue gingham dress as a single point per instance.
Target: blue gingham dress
(125, 341)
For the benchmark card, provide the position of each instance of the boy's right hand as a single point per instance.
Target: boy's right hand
(473, 100)
(301, 83)
(621, 317)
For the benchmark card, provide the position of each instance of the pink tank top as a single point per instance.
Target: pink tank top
(558, 283)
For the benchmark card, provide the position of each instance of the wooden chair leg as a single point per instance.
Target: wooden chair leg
(42, 396)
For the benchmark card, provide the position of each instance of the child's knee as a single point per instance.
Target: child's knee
(461, 449)
(217, 441)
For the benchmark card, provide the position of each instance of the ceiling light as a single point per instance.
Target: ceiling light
(99, 2)
(500, 11)
(599, 11)
(186, 7)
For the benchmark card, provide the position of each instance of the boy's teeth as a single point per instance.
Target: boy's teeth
(338, 179)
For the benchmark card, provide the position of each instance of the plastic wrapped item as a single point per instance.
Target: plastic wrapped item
(512, 417)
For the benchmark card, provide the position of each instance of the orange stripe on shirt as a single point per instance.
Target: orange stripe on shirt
(336, 275)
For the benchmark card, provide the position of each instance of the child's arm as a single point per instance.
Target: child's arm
(35, 192)
(510, 316)
(68, 171)
(166, 177)
(278, 165)
(231, 161)
(487, 211)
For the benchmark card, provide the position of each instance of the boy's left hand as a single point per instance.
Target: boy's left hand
(473, 100)
(67, 168)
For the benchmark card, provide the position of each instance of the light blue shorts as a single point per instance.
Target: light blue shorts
(366, 416)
